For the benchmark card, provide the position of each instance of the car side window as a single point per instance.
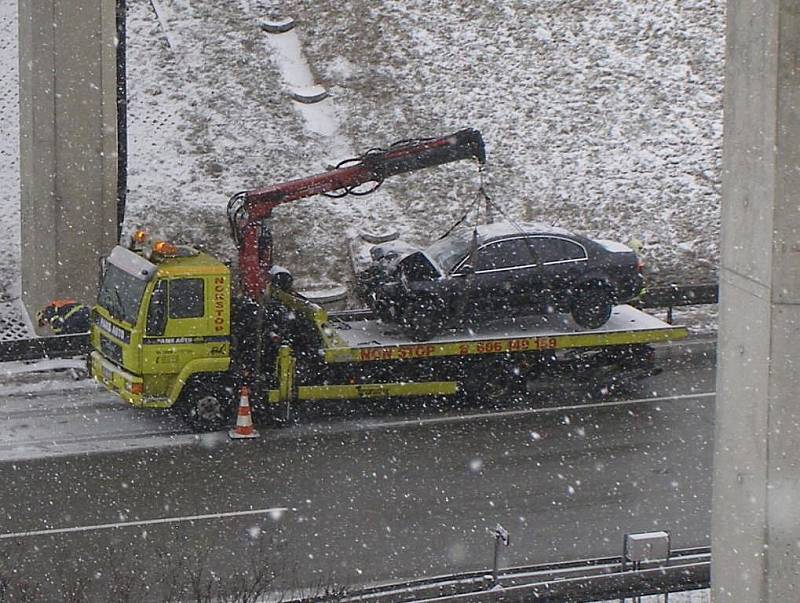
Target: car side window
(553, 249)
(571, 251)
(186, 298)
(506, 254)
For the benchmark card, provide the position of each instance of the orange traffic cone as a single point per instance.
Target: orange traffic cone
(244, 420)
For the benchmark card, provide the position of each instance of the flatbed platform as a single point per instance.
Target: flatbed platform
(368, 339)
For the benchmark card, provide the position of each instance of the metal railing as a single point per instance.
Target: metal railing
(568, 582)
(60, 346)
(66, 346)
(674, 296)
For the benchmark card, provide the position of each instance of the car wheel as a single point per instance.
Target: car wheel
(593, 306)
(207, 406)
(422, 318)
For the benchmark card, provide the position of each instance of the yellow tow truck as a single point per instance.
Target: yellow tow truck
(168, 331)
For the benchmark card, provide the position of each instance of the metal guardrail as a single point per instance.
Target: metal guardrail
(567, 582)
(674, 296)
(60, 346)
(664, 297)
(66, 346)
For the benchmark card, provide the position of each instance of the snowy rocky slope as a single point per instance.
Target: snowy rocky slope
(603, 116)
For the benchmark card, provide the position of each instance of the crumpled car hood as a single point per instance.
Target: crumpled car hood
(392, 252)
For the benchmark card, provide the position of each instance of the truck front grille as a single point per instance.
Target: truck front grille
(111, 350)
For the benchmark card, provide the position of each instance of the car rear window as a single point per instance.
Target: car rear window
(554, 249)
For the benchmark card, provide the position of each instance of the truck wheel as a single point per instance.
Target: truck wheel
(592, 308)
(207, 406)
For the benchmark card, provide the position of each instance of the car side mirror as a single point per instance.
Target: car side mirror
(467, 269)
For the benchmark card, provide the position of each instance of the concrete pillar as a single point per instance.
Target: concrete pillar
(756, 500)
(68, 145)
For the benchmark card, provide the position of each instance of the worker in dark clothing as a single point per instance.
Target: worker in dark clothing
(64, 316)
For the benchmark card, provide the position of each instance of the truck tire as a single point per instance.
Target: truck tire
(592, 307)
(207, 406)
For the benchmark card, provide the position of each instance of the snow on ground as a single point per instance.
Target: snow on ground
(602, 116)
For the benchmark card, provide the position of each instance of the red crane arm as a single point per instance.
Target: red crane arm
(248, 210)
(373, 166)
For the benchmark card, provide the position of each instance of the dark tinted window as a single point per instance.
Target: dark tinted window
(504, 254)
(186, 298)
(157, 312)
(551, 249)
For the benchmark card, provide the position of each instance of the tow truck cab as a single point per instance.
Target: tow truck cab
(162, 315)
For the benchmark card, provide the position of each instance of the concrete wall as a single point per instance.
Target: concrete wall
(756, 502)
(68, 145)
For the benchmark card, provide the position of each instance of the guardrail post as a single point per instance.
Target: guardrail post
(500, 536)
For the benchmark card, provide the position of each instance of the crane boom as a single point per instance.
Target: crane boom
(248, 211)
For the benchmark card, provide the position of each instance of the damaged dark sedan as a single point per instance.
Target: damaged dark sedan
(497, 270)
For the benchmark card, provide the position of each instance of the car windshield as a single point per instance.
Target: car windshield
(447, 252)
(121, 293)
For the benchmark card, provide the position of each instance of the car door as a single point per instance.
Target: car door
(498, 282)
(561, 263)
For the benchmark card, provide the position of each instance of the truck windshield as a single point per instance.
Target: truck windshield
(121, 294)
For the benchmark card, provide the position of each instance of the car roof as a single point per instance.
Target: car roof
(495, 230)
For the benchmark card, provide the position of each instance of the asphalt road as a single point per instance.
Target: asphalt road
(380, 496)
